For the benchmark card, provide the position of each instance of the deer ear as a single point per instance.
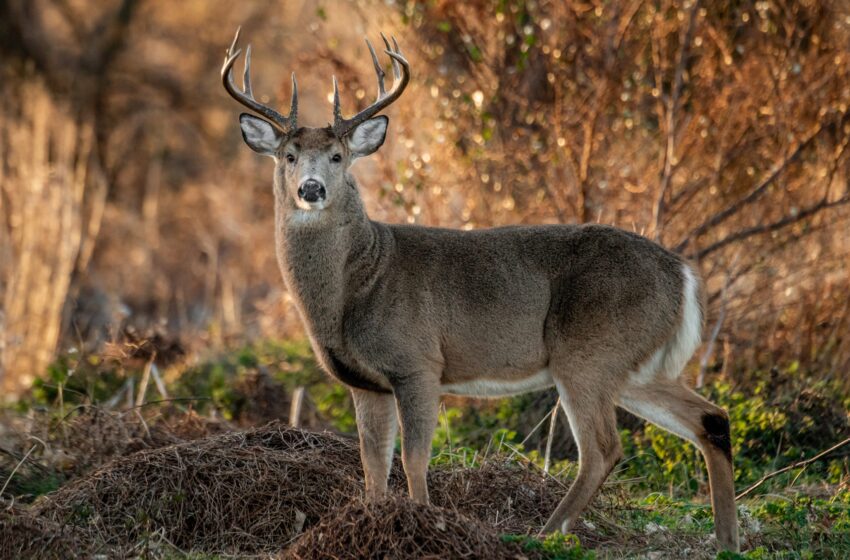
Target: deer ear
(368, 136)
(260, 136)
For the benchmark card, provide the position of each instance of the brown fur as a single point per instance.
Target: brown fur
(401, 312)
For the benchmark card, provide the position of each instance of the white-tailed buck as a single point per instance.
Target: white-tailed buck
(403, 314)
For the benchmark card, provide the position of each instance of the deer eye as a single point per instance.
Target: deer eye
(336, 158)
(290, 158)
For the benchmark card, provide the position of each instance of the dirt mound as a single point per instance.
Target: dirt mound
(400, 528)
(27, 536)
(243, 492)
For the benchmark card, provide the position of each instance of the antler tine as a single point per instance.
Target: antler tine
(246, 95)
(401, 73)
(394, 63)
(337, 106)
(246, 75)
(233, 44)
(293, 105)
(378, 70)
(397, 50)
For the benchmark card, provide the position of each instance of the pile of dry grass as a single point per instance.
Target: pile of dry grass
(257, 491)
(509, 496)
(95, 436)
(27, 536)
(243, 492)
(400, 528)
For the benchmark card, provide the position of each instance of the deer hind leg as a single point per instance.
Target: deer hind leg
(376, 426)
(677, 409)
(592, 416)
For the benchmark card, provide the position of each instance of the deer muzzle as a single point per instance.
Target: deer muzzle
(312, 191)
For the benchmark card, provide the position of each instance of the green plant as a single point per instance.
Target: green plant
(552, 547)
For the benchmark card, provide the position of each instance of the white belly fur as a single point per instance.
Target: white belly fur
(484, 387)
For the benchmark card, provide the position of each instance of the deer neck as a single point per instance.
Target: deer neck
(326, 258)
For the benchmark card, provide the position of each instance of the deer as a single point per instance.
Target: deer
(403, 314)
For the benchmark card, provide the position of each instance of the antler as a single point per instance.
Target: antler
(246, 95)
(401, 76)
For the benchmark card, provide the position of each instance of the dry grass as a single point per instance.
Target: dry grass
(505, 495)
(95, 436)
(399, 528)
(23, 535)
(256, 491)
(236, 492)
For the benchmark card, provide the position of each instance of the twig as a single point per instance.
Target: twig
(553, 420)
(295, 407)
(142, 420)
(534, 429)
(21, 462)
(517, 452)
(146, 378)
(804, 463)
(157, 379)
(773, 226)
(173, 399)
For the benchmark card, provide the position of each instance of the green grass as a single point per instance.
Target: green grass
(776, 527)
(553, 547)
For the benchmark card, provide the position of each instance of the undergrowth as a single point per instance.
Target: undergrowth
(777, 419)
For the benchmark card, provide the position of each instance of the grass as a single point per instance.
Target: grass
(554, 547)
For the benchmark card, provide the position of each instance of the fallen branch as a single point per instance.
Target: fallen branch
(804, 463)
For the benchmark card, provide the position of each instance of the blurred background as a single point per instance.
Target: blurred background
(130, 207)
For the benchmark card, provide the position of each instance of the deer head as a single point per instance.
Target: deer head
(311, 164)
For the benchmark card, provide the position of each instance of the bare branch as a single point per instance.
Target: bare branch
(672, 108)
(759, 189)
(773, 226)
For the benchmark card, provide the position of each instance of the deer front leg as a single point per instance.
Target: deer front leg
(377, 427)
(418, 403)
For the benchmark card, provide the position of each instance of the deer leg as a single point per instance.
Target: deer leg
(418, 408)
(593, 422)
(377, 427)
(677, 409)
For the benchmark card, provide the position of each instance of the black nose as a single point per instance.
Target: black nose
(311, 191)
